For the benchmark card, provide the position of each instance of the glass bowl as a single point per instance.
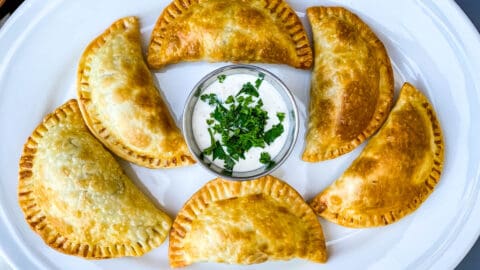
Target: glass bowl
(291, 114)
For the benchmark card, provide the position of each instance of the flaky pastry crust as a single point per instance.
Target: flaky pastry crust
(244, 223)
(394, 174)
(120, 103)
(266, 31)
(75, 195)
(352, 84)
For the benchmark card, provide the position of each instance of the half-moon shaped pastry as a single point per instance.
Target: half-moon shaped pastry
(352, 84)
(245, 223)
(395, 173)
(75, 195)
(120, 103)
(224, 30)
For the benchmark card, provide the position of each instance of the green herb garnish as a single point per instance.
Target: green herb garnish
(210, 98)
(248, 89)
(229, 100)
(273, 133)
(259, 81)
(266, 159)
(240, 121)
(221, 78)
(198, 92)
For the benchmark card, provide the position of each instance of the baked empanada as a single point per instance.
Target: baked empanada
(245, 223)
(352, 84)
(120, 103)
(266, 31)
(75, 195)
(395, 173)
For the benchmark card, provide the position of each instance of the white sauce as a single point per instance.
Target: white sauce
(272, 103)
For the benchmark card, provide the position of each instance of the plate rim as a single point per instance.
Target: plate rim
(468, 234)
(464, 240)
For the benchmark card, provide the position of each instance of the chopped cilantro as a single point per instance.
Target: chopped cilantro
(240, 126)
(266, 159)
(259, 104)
(221, 78)
(198, 92)
(218, 151)
(259, 81)
(273, 133)
(212, 98)
(248, 89)
(229, 100)
(229, 163)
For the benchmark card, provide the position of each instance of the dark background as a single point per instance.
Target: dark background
(470, 7)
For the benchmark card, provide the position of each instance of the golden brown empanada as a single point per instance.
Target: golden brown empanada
(352, 84)
(75, 195)
(120, 103)
(395, 173)
(265, 31)
(245, 223)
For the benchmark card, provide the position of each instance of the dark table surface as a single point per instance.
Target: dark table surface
(472, 9)
(472, 260)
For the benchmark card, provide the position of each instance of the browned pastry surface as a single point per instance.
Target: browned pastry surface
(75, 195)
(120, 103)
(244, 223)
(265, 31)
(352, 84)
(394, 174)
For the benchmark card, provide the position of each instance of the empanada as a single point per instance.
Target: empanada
(245, 223)
(266, 31)
(120, 103)
(75, 195)
(352, 84)
(395, 173)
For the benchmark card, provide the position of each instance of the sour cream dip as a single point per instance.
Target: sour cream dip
(213, 114)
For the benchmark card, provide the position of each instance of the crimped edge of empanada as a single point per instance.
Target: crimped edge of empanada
(392, 215)
(385, 99)
(37, 220)
(220, 189)
(280, 8)
(97, 128)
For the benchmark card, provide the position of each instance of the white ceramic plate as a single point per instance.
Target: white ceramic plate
(431, 43)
